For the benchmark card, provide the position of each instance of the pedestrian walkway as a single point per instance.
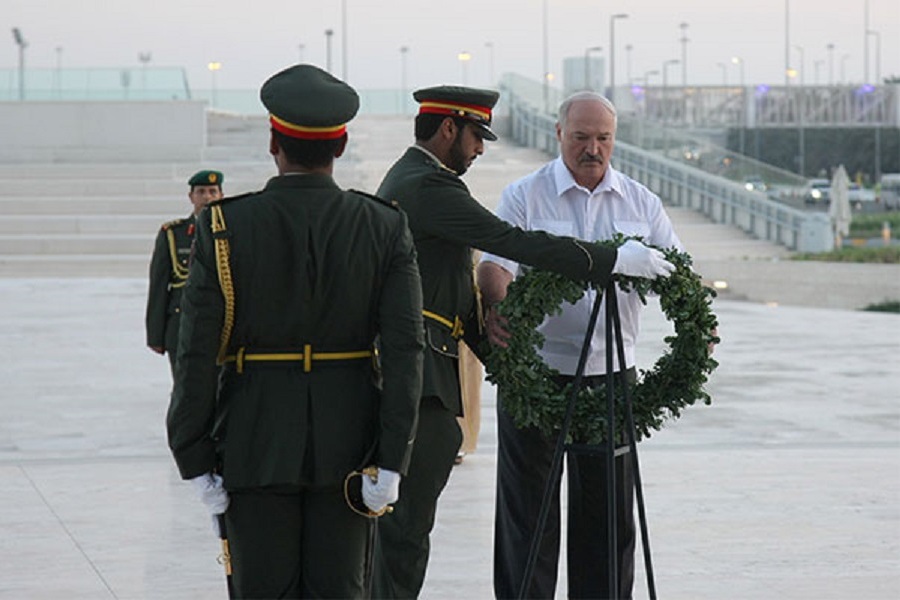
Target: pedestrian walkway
(786, 487)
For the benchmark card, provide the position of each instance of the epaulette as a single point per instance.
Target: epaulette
(392, 203)
(172, 223)
(227, 199)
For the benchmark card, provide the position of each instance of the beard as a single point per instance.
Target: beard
(457, 159)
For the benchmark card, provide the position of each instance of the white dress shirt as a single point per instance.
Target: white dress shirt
(549, 199)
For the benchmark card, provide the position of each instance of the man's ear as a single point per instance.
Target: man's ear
(448, 129)
(341, 147)
(274, 149)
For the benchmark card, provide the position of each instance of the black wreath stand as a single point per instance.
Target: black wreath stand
(613, 332)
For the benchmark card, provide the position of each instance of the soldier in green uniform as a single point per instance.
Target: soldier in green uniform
(447, 223)
(169, 266)
(277, 393)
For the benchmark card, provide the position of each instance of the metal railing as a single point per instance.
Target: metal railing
(721, 199)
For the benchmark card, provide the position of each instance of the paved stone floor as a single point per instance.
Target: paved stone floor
(788, 486)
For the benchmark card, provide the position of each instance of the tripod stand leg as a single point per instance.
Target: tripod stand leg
(629, 415)
(556, 463)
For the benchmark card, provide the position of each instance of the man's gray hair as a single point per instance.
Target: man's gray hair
(585, 95)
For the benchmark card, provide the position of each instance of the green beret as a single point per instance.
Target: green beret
(472, 104)
(206, 178)
(308, 103)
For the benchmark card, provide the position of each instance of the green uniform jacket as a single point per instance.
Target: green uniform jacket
(447, 222)
(167, 276)
(310, 264)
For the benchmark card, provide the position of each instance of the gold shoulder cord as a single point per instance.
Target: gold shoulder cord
(223, 268)
(179, 271)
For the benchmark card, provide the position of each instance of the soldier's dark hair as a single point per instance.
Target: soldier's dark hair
(307, 153)
(427, 124)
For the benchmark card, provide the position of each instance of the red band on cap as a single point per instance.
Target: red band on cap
(455, 108)
(307, 133)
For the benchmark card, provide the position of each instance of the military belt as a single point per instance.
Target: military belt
(455, 326)
(307, 357)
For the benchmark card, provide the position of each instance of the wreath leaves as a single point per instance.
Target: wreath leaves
(661, 393)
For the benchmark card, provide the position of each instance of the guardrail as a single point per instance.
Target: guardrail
(720, 199)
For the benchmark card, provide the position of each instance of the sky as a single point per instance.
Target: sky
(253, 40)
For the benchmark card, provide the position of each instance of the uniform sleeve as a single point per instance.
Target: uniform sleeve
(402, 345)
(191, 411)
(512, 210)
(158, 292)
(454, 215)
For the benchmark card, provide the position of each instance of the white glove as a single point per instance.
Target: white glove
(637, 260)
(383, 490)
(212, 494)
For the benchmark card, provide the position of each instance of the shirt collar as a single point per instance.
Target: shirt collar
(564, 181)
(431, 155)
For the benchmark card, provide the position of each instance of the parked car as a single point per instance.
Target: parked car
(755, 183)
(890, 190)
(818, 191)
(857, 193)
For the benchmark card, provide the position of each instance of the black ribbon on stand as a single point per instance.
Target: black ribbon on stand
(613, 328)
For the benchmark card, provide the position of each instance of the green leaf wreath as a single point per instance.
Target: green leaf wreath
(532, 398)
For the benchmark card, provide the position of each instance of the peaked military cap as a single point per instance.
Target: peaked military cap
(472, 104)
(206, 178)
(308, 103)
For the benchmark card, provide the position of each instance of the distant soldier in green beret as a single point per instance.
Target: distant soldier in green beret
(169, 266)
(447, 223)
(278, 393)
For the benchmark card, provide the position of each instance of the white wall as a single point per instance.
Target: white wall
(102, 131)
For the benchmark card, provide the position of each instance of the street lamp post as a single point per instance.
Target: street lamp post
(816, 65)
(684, 41)
(404, 50)
(877, 36)
(787, 42)
(464, 58)
(490, 48)
(628, 49)
(799, 50)
(328, 34)
(830, 48)
(724, 68)
(214, 67)
(300, 49)
(612, 54)
(587, 66)
(59, 72)
(144, 58)
(665, 102)
(344, 36)
(22, 44)
(737, 60)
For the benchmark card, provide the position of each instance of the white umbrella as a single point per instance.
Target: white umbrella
(839, 209)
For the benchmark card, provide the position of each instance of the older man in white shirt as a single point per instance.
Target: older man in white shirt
(578, 194)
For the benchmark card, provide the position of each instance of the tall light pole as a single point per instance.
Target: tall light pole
(737, 60)
(877, 36)
(724, 68)
(464, 58)
(816, 65)
(665, 102)
(300, 49)
(866, 43)
(628, 49)
(787, 42)
(214, 67)
(490, 49)
(612, 54)
(404, 50)
(22, 44)
(799, 50)
(545, 75)
(59, 72)
(328, 34)
(144, 58)
(344, 36)
(587, 66)
(684, 41)
(830, 48)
